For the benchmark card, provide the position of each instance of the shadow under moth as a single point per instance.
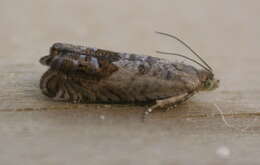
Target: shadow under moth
(82, 74)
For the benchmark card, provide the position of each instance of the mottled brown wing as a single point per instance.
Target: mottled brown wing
(82, 74)
(146, 78)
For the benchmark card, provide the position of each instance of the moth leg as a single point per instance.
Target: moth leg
(75, 96)
(169, 101)
(180, 102)
(62, 94)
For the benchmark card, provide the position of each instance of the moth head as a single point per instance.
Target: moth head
(206, 76)
(208, 81)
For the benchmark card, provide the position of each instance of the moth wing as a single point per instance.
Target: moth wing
(97, 69)
(147, 78)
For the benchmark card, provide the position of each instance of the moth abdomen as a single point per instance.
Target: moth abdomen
(49, 83)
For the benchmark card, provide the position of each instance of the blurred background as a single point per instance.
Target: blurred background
(37, 130)
(225, 33)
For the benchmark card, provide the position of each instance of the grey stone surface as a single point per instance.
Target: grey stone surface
(37, 130)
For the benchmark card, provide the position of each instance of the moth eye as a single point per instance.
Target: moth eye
(208, 83)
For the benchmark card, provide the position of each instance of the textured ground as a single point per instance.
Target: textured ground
(36, 130)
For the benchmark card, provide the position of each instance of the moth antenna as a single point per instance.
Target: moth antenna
(186, 45)
(180, 55)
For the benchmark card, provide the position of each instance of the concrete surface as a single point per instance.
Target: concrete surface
(37, 130)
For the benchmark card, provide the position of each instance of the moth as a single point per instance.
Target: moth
(81, 74)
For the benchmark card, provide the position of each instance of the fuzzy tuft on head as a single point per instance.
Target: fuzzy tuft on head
(208, 81)
(46, 60)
